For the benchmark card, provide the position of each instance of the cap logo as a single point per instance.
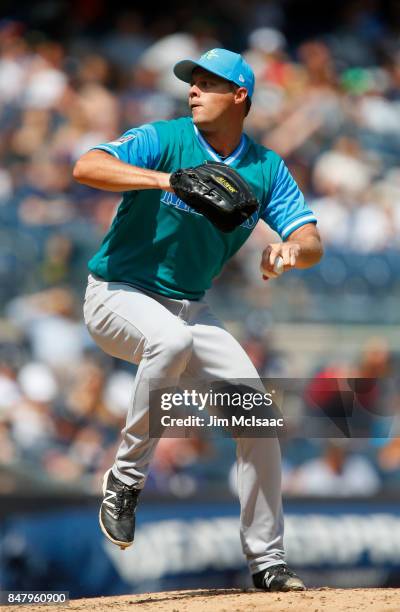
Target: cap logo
(241, 78)
(210, 54)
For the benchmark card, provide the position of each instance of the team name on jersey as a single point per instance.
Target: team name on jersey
(170, 199)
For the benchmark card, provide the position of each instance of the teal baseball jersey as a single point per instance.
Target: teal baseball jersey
(157, 242)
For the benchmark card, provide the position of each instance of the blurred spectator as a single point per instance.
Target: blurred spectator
(13, 56)
(265, 13)
(46, 80)
(342, 170)
(8, 450)
(164, 53)
(37, 382)
(47, 316)
(355, 40)
(84, 397)
(173, 463)
(376, 359)
(33, 427)
(356, 398)
(338, 472)
(127, 41)
(10, 393)
(388, 460)
(144, 101)
(57, 260)
(265, 55)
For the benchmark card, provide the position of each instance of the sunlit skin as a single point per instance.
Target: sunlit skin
(218, 109)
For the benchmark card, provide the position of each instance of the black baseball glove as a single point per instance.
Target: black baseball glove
(217, 191)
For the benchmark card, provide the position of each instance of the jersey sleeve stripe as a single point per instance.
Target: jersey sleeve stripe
(297, 223)
(104, 147)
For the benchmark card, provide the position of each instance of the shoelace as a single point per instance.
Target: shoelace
(125, 502)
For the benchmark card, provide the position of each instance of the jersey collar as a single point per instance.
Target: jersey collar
(233, 157)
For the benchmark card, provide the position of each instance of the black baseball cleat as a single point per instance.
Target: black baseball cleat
(278, 578)
(117, 511)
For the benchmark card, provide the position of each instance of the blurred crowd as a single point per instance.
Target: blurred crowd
(328, 103)
(63, 403)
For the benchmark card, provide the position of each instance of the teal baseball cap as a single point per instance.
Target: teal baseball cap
(226, 64)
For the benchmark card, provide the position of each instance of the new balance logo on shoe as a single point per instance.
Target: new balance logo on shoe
(278, 578)
(117, 511)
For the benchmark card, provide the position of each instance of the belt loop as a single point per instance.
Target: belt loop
(184, 311)
(181, 313)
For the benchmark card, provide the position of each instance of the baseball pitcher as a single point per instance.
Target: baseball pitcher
(193, 190)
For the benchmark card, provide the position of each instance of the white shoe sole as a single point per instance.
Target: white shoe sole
(122, 545)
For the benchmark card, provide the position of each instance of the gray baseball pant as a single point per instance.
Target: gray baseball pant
(169, 338)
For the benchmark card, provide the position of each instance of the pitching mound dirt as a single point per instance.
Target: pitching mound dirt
(235, 600)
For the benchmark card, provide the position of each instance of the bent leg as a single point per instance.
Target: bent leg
(131, 325)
